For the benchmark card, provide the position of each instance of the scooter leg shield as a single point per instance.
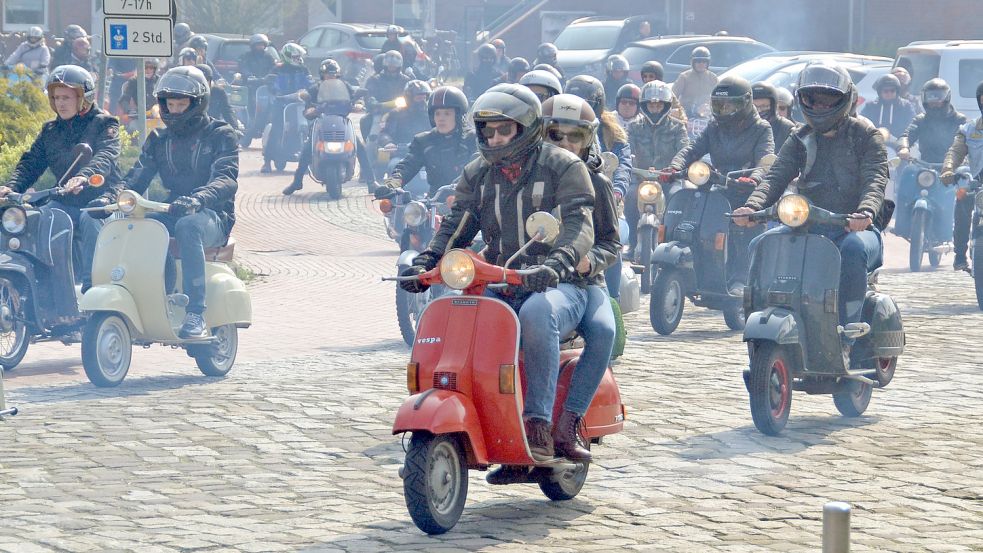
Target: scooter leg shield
(444, 412)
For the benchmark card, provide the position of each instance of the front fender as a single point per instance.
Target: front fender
(109, 297)
(648, 220)
(671, 253)
(773, 324)
(406, 258)
(921, 203)
(442, 412)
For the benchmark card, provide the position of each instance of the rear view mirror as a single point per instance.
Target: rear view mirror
(542, 227)
(82, 153)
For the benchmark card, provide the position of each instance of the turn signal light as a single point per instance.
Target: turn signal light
(662, 234)
(960, 193)
(385, 206)
(450, 200)
(97, 180)
(506, 379)
(719, 241)
(412, 382)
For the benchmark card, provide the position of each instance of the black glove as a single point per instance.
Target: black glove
(100, 202)
(422, 263)
(546, 276)
(184, 205)
(382, 192)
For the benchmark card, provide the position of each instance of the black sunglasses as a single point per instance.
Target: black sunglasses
(578, 135)
(504, 131)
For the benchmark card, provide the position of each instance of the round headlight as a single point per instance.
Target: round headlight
(793, 210)
(698, 173)
(127, 201)
(457, 269)
(414, 213)
(649, 192)
(926, 178)
(14, 220)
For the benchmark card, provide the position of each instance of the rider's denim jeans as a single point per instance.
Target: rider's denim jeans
(860, 253)
(544, 318)
(193, 233)
(598, 330)
(612, 278)
(86, 234)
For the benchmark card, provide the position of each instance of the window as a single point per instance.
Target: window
(587, 37)
(309, 40)
(20, 15)
(682, 54)
(922, 66)
(970, 75)
(330, 38)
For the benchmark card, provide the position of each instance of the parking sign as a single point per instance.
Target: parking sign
(117, 39)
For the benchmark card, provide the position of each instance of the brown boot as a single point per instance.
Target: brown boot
(565, 438)
(540, 440)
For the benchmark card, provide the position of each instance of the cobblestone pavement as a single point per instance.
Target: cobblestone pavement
(292, 451)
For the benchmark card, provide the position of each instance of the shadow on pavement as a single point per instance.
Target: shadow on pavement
(87, 391)
(396, 345)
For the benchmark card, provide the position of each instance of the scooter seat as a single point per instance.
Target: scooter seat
(222, 254)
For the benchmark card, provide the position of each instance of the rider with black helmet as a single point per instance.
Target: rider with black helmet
(219, 106)
(182, 35)
(516, 176)
(516, 69)
(841, 164)
(63, 54)
(197, 160)
(71, 95)
(932, 130)
(736, 138)
(651, 71)
(254, 65)
(392, 43)
(484, 75)
(968, 142)
(616, 70)
(199, 44)
(765, 97)
(626, 104)
(546, 54)
(889, 110)
(693, 86)
(402, 124)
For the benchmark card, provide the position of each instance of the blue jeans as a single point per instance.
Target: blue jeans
(194, 233)
(86, 235)
(860, 253)
(612, 278)
(544, 318)
(598, 330)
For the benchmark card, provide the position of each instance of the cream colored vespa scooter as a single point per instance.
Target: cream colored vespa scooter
(131, 301)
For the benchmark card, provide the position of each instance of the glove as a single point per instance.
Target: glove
(100, 202)
(668, 174)
(747, 180)
(947, 178)
(422, 263)
(393, 183)
(184, 205)
(904, 154)
(545, 276)
(382, 192)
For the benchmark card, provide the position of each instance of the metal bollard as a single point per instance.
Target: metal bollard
(3, 404)
(836, 527)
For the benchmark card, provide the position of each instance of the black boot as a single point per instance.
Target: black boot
(565, 438)
(267, 167)
(296, 185)
(540, 440)
(508, 474)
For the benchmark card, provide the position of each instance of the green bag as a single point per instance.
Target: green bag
(620, 334)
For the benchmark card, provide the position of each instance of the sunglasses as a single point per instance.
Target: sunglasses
(578, 136)
(504, 131)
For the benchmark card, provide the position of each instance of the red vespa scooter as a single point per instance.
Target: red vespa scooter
(466, 377)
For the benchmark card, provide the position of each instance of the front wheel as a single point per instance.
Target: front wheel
(332, 175)
(217, 358)
(435, 482)
(106, 349)
(409, 308)
(646, 241)
(770, 387)
(854, 399)
(734, 315)
(666, 302)
(13, 332)
(917, 248)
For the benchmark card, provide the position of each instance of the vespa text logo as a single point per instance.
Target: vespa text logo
(786, 278)
(434, 340)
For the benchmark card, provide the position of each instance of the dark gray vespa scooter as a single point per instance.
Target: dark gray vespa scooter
(793, 330)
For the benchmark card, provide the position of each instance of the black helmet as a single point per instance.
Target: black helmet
(700, 53)
(76, 31)
(567, 109)
(508, 102)
(487, 54)
(588, 88)
(392, 60)
(448, 97)
(936, 90)
(730, 101)
(183, 82)
(653, 68)
(831, 81)
(979, 92)
(377, 62)
(188, 54)
(329, 67)
(182, 32)
(617, 62)
(887, 81)
(543, 78)
(767, 91)
(76, 78)
(206, 71)
(655, 91)
(517, 68)
(258, 38)
(416, 88)
(546, 53)
(198, 42)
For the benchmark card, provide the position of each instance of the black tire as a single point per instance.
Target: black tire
(934, 259)
(854, 399)
(666, 301)
(917, 248)
(885, 369)
(280, 164)
(978, 271)
(770, 388)
(407, 313)
(734, 315)
(435, 482)
(217, 359)
(14, 340)
(332, 180)
(646, 240)
(565, 484)
(106, 349)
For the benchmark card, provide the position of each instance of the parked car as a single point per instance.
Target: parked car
(958, 62)
(352, 45)
(224, 51)
(585, 44)
(673, 52)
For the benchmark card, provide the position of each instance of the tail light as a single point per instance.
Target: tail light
(719, 241)
(506, 379)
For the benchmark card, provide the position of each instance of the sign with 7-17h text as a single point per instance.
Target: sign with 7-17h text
(138, 37)
(137, 8)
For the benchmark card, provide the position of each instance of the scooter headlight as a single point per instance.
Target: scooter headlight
(14, 220)
(649, 192)
(414, 214)
(698, 173)
(334, 147)
(457, 269)
(127, 201)
(926, 178)
(793, 210)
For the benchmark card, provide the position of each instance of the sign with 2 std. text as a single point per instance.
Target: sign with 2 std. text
(133, 37)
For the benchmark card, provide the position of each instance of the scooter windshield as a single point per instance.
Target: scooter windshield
(333, 97)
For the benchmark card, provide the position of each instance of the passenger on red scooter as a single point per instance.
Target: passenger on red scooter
(516, 176)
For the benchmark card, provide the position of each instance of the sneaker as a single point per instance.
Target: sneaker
(540, 438)
(508, 474)
(267, 168)
(193, 327)
(293, 187)
(736, 290)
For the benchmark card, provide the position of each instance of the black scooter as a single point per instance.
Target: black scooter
(691, 261)
(793, 331)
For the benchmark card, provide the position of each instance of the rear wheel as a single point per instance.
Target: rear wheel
(734, 315)
(646, 240)
(106, 349)
(854, 399)
(885, 369)
(216, 359)
(917, 248)
(565, 484)
(770, 388)
(666, 301)
(435, 482)
(13, 332)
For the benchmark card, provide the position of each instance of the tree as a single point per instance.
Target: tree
(237, 16)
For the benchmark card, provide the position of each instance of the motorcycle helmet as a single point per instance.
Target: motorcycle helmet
(329, 67)
(81, 47)
(546, 53)
(567, 109)
(35, 35)
(259, 38)
(784, 98)
(549, 69)
(151, 62)
(936, 91)
(76, 78)
(182, 32)
(825, 94)
(293, 54)
(655, 91)
(517, 68)
(392, 60)
(887, 81)
(183, 82)
(508, 102)
(545, 79)
(207, 72)
(616, 62)
(486, 54)
(766, 91)
(588, 88)
(392, 30)
(904, 77)
(652, 69)
(76, 31)
(198, 42)
(415, 88)
(731, 102)
(499, 44)
(629, 91)
(188, 54)
(448, 97)
(377, 63)
(700, 53)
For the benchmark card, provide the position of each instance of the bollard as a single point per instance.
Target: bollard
(836, 527)
(3, 404)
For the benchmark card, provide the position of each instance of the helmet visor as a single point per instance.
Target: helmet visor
(723, 107)
(824, 77)
(821, 100)
(930, 96)
(179, 84)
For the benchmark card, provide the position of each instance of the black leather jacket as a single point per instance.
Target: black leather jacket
(607, 243)
(933, 134)
(444, 156)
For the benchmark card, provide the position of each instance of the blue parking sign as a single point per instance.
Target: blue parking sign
(118, 34)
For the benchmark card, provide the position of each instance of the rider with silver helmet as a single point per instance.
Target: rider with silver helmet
(693, 86)
(33, 52)
(197, 160)
(841, 165)
(484, 76)
(288, 80)
(616, 70)
(967, 145)
(542, 83)
(71, 95)
(516, 176)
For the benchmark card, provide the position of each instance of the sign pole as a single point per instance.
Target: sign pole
(141, 100)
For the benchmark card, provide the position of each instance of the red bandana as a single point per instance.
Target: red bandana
(512, 171)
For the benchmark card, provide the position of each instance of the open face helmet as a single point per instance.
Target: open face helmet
(588, 88)
(74, 77)
(570, 110)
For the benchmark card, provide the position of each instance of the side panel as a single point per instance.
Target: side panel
(710, 253)
(887, 337)
(605, 415)
(442, 412)
(109, 297)
(671, 253)
(226, 296)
